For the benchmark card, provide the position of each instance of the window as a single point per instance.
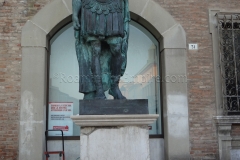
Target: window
(229, 43)
(138, 82)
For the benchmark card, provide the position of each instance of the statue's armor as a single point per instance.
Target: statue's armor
(95, 12)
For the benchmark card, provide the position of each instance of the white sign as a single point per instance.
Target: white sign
(59, 118)
(193, 46)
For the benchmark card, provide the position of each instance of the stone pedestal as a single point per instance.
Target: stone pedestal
(118, 137)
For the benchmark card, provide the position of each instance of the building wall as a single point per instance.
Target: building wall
(72, 148)
(235, 131)
(191, 14)
(13, 16)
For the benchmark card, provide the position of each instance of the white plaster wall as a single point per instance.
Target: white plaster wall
(156, 147)
(72, 148)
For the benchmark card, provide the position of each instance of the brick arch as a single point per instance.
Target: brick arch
(34, 42)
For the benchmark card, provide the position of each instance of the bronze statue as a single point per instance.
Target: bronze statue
(101, 32)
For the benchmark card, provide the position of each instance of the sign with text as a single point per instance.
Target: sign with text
(59, 118)
(193, 46)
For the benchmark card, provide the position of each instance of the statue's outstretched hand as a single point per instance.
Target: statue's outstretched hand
(76, 23)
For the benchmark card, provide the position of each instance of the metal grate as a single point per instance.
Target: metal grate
(229, 42)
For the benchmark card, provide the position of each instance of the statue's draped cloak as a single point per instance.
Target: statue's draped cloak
(104, 18)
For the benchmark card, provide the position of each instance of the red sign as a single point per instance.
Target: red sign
(64, 128)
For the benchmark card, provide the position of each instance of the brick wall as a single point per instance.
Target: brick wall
(191, 14)
(235, 131)
(13, 15)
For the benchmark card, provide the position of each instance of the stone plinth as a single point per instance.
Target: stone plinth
(118, 137)
(113, 107)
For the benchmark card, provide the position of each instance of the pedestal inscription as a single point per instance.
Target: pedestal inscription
(112, 107)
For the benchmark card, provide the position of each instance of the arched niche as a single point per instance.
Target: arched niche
(34, 42)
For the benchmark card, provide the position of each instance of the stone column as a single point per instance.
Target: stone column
(175, 104)
(33, 103)
(118, 137)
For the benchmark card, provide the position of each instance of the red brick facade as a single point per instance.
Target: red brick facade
(235, 130)
(191, 14)
(13, 16)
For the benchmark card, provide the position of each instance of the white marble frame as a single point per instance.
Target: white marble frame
(34, 42)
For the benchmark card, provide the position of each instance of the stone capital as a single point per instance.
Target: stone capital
(114, 120)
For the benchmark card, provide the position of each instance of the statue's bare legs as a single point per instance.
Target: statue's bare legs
(116, 63)
(89, 95)
(115, 44)
(96, 69)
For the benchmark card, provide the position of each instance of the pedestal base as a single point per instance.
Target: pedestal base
(114, 137)
(114, 143)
